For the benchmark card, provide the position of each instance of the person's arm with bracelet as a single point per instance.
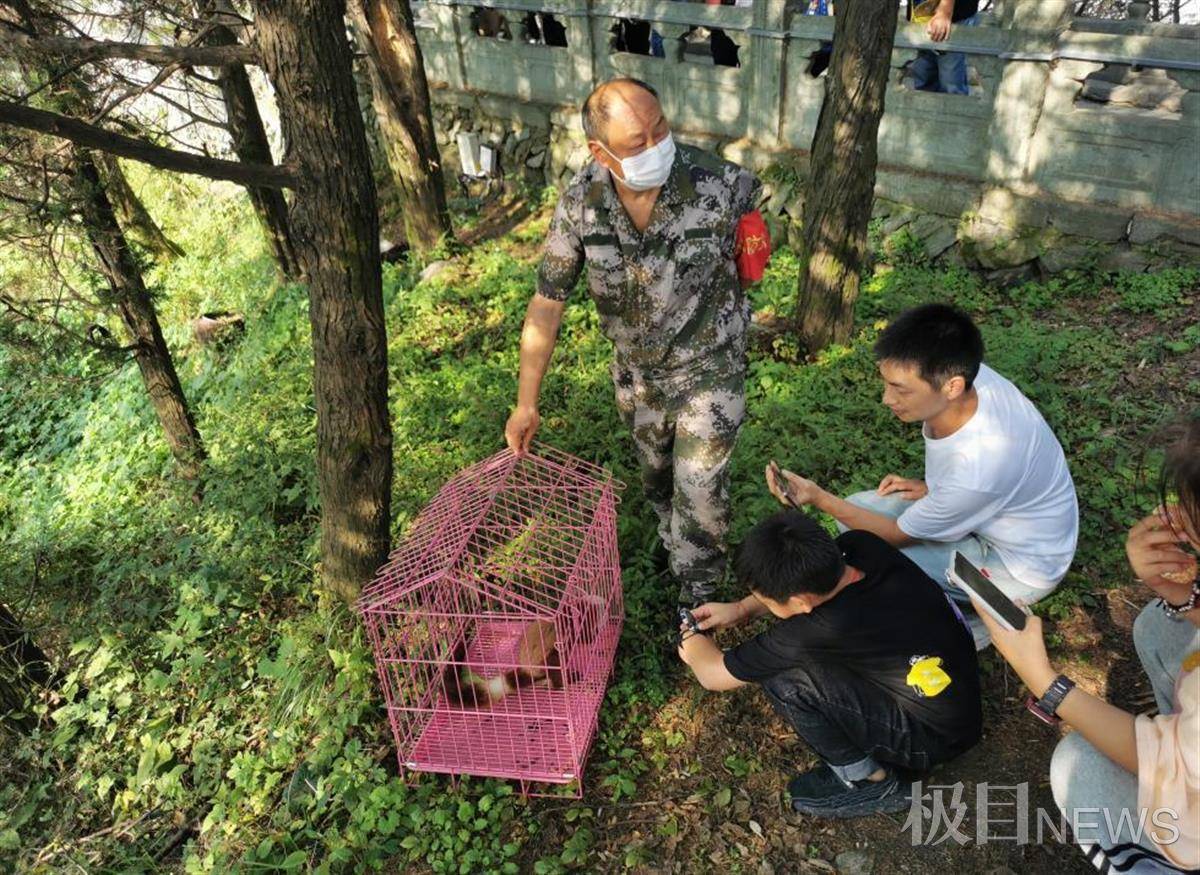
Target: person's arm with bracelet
(1153, 550)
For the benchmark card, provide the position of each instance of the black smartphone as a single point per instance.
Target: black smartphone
(775, 470)
(1000, 606)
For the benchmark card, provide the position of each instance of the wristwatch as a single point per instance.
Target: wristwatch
(1046, 708)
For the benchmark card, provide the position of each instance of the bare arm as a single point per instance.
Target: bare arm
(1107, 727)
(750, 608)
(538, 336)
(726, 615)
(707, 662)
(799, 492)
(940, 26)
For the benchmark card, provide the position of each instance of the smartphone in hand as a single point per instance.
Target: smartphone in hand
(996, 603)
(783, 486)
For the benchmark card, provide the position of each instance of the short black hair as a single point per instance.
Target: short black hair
(596, 110)
(789, 554)
(939, 339)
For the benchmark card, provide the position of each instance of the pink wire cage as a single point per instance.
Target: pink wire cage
(509, 581)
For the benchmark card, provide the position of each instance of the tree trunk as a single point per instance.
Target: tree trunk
(131, 299)
(127, 291)
(132, 212)
(387, 190)
(334, 215)
(401, 97)
(841, 180)
(23, 666)
(251, 145)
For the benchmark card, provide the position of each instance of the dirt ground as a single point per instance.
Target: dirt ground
(682, 831)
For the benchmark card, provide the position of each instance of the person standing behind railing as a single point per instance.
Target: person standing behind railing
(819, 61)
(942, 71)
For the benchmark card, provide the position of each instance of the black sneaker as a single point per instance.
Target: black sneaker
(822, 793)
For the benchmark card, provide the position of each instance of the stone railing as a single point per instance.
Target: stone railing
(1073, 127)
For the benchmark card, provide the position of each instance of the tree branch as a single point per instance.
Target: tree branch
(93, 137)
(85, 49)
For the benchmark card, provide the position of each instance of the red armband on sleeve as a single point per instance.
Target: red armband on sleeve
(752, 246)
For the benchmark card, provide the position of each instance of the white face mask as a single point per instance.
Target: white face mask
(647, 169)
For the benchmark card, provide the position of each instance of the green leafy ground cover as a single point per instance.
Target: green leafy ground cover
(218, 716)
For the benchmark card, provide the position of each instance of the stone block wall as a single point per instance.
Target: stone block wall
(1074, 130)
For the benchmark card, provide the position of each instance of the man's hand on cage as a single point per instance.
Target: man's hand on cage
(521, 427)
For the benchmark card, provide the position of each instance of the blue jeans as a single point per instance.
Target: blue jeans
(942, 71)
(657, 49)
(1097, 794)
(935, 557)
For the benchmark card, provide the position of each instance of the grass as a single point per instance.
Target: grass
(219, 715)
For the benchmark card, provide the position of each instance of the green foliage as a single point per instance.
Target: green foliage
(1189, 341)
(1161, 293)
(905, 249)
(207, 687)
(782, 173)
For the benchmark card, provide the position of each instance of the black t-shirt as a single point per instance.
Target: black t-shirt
(894, 628)
(962, 9)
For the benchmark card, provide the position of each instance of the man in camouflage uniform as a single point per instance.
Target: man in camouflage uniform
(655, 226)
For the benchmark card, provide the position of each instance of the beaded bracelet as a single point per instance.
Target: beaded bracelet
(1176, 612)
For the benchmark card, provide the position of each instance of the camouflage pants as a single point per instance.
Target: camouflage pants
(684, 430)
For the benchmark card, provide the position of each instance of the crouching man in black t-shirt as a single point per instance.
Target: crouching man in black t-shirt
(869, 662)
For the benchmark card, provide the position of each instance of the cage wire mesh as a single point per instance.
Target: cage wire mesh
(495, 622)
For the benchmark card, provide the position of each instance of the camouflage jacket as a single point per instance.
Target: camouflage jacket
(669, 297)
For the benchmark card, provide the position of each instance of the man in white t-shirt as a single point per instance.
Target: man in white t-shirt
(996, 487)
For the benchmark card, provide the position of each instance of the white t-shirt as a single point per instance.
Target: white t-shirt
(1001, 476)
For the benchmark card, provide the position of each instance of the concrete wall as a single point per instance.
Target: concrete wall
(1023, 151)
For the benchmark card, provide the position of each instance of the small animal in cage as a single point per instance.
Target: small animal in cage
(495, 622)
(537, 663)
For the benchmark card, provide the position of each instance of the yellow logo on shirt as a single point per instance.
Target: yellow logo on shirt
(927, 676)
(1191, 662)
